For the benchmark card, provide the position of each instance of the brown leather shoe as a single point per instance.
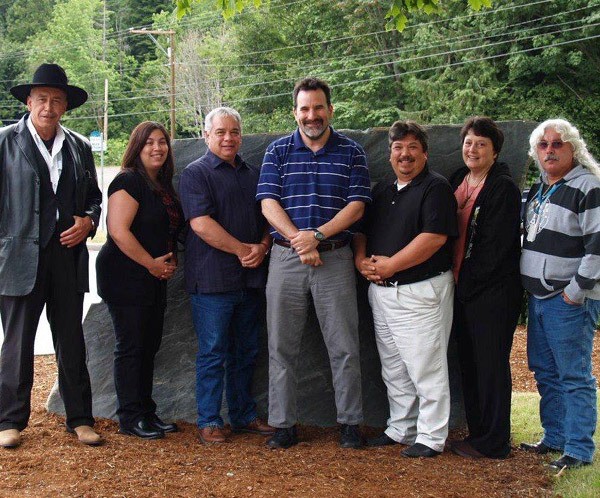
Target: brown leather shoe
(10, 438)
(465, 450)
(257, 426)
(210, 435)
(87, 435)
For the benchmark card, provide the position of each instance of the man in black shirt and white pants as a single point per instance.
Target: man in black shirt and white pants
(405, 252)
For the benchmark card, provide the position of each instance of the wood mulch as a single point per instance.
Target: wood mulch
(52, 463)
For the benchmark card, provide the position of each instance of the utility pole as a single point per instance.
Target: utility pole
(171, 55)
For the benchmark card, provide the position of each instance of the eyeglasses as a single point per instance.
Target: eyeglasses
(555, 144)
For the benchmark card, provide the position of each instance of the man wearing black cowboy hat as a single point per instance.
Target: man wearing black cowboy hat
(49, 205)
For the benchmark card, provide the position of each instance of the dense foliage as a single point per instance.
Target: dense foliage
(520, 59)
(397, 13)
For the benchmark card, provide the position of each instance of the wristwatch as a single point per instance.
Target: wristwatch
(319, 236)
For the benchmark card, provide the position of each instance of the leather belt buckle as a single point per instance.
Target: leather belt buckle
(330, 245)
(387, 283)
(326, 245)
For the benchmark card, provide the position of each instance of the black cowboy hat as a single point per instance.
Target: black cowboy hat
(54, 76)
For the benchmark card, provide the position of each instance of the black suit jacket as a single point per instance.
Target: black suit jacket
(20, 206)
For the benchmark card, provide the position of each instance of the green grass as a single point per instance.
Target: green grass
(580, 483)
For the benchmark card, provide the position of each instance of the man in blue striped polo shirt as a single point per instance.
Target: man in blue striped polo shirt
(313, 187)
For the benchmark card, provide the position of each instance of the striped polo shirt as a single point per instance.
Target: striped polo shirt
(312, 187)
(564, 255)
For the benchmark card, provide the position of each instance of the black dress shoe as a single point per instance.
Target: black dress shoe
(540, 448)
(567, 461)
(418, 450)
(283, 438)
(382, 440)
(142, 429)
(157, 423)
(350, 436)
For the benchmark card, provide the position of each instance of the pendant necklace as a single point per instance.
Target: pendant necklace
(469, 195)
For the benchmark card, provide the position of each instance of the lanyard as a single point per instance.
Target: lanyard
(533, 227)
(542, 198)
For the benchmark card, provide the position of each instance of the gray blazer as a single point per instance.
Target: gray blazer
(20, 207)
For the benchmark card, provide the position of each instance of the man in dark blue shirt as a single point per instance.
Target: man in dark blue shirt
(225, 275)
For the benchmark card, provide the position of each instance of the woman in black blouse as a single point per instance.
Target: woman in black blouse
(144, 219)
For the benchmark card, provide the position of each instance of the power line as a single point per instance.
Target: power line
(162, 95)
(375, 78)
(392, 50)
(332, 40)
(124, 33)
(397, 52)
(350, 58)
(420, 25)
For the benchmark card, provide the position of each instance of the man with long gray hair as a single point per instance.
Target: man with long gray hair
(225, 275)
(560, 267)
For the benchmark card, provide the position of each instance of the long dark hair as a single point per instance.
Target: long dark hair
(131, 157)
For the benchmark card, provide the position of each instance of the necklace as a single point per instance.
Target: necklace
(470, 194)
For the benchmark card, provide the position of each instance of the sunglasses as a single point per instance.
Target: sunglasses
(555, 144)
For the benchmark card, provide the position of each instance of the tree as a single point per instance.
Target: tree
(198, 81)
(73, 39)
(397, 13)
(517, 61)
(23, 21)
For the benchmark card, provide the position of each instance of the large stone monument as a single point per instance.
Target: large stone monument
(174, 379)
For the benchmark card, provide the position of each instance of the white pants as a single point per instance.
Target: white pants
(412, 328)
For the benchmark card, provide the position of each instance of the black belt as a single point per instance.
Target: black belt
(395, 283)
(324, 246)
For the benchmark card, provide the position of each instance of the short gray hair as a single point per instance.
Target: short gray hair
(221, 112)
(568, 133)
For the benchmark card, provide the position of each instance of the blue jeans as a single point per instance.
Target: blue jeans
(559, 352)
(227, 326)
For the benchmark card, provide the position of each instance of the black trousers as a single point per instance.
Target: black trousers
(138, 332)
(55, 287)
(484, 328)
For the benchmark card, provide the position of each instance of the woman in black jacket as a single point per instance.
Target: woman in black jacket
(488, 289)
(144, 219)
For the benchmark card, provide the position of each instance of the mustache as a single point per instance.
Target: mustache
(313, 121)
(551, 157)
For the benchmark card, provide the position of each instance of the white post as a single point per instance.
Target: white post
(102, 141)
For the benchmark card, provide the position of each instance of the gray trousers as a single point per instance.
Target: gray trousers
(333, 289)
